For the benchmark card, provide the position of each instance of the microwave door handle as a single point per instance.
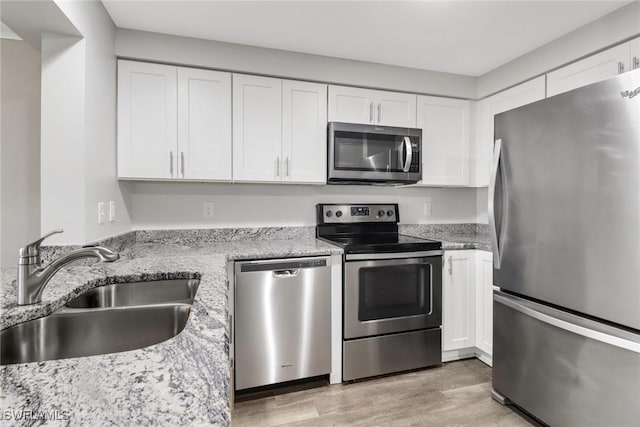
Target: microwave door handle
(408, 155)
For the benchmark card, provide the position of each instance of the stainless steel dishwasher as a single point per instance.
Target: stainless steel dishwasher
(282, 320)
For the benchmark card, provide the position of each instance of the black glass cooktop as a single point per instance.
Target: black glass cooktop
(382, 242)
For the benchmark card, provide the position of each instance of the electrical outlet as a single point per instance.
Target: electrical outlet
(112, 211)
(102, 214)
(427, 206)
(207, 211)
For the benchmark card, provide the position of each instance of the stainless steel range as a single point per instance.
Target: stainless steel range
(392, 289)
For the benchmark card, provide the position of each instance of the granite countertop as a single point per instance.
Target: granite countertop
(182, 381)
(452, 236)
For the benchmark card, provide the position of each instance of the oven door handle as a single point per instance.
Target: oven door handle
(408, 155)
(430, 292)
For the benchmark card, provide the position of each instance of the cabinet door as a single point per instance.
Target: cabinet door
(445, 127)
(589, 70)
(304, 131)
(634, 49)
(257, 128)
(147, 120)
(484, 302)
(351, 105)
(204, 124)
(517, 96)
(395, 109)
(458, 330)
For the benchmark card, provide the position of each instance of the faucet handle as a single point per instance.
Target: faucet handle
(33, 248)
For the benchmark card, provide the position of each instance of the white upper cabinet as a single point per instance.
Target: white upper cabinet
(458, 295)
(445, 125)
(355, 105)
(173, 122)
(517, 96)
(304, 131)
(484, 302)
(634, 49)
(147, 120)
(257, 128)
(350, 104)
(279, 130)
(204, 124)
(395, 109)
(592, 69)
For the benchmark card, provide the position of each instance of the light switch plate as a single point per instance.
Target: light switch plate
(112, 211)
(207, 209)
(102, 214)
(427, 207)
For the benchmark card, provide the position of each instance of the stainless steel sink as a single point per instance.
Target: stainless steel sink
(86, 332)
(137, 293)
(107, 319)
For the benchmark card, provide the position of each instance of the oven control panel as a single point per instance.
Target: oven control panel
(345, 214)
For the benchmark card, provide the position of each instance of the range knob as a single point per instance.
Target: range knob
(329, 214)
(390, 212)
(339, 214)
(380, 213)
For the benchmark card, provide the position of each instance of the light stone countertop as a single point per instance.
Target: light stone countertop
(184, 380)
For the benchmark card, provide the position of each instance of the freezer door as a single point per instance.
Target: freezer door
(565, 211)
(564, 369)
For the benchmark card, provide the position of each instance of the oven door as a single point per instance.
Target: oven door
(383, 296)
(365, 152)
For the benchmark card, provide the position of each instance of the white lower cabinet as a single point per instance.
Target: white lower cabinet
(484, 305)
(467, 305)
(458, 293)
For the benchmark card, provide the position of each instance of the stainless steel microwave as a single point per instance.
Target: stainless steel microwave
(361, 154)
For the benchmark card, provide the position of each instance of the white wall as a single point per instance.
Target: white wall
(148, 46)
(19, 148)
(101, 185)
(179, 205)
(62, 138)
(79, 125)
(620, 25)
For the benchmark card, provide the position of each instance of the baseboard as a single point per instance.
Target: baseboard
(486, 358)
(465, 353)
(462, 353)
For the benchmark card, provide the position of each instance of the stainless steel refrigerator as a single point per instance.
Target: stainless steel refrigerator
(564, 215)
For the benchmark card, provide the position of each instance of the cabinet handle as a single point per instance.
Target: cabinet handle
(182, 162)
(278, 166)
(371, 112)
(635, 62)
(171, 163)
(286, 166)
(450, 265)
(620, 67)
(379, 112)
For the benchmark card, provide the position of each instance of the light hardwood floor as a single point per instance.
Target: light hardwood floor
(456, 394)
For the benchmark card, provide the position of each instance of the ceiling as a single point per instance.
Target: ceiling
(462, 37)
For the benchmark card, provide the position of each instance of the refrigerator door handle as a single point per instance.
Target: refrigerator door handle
(498, 167)
(513, 303)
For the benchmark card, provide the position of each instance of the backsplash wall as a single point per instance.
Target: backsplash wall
(155, 205)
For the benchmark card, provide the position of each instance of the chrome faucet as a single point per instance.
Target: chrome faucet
(33, 277)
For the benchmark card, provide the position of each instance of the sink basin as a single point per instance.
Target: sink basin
(137, 293)
(86, 332)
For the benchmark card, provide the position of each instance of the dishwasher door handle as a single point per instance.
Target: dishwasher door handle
(286, 273)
